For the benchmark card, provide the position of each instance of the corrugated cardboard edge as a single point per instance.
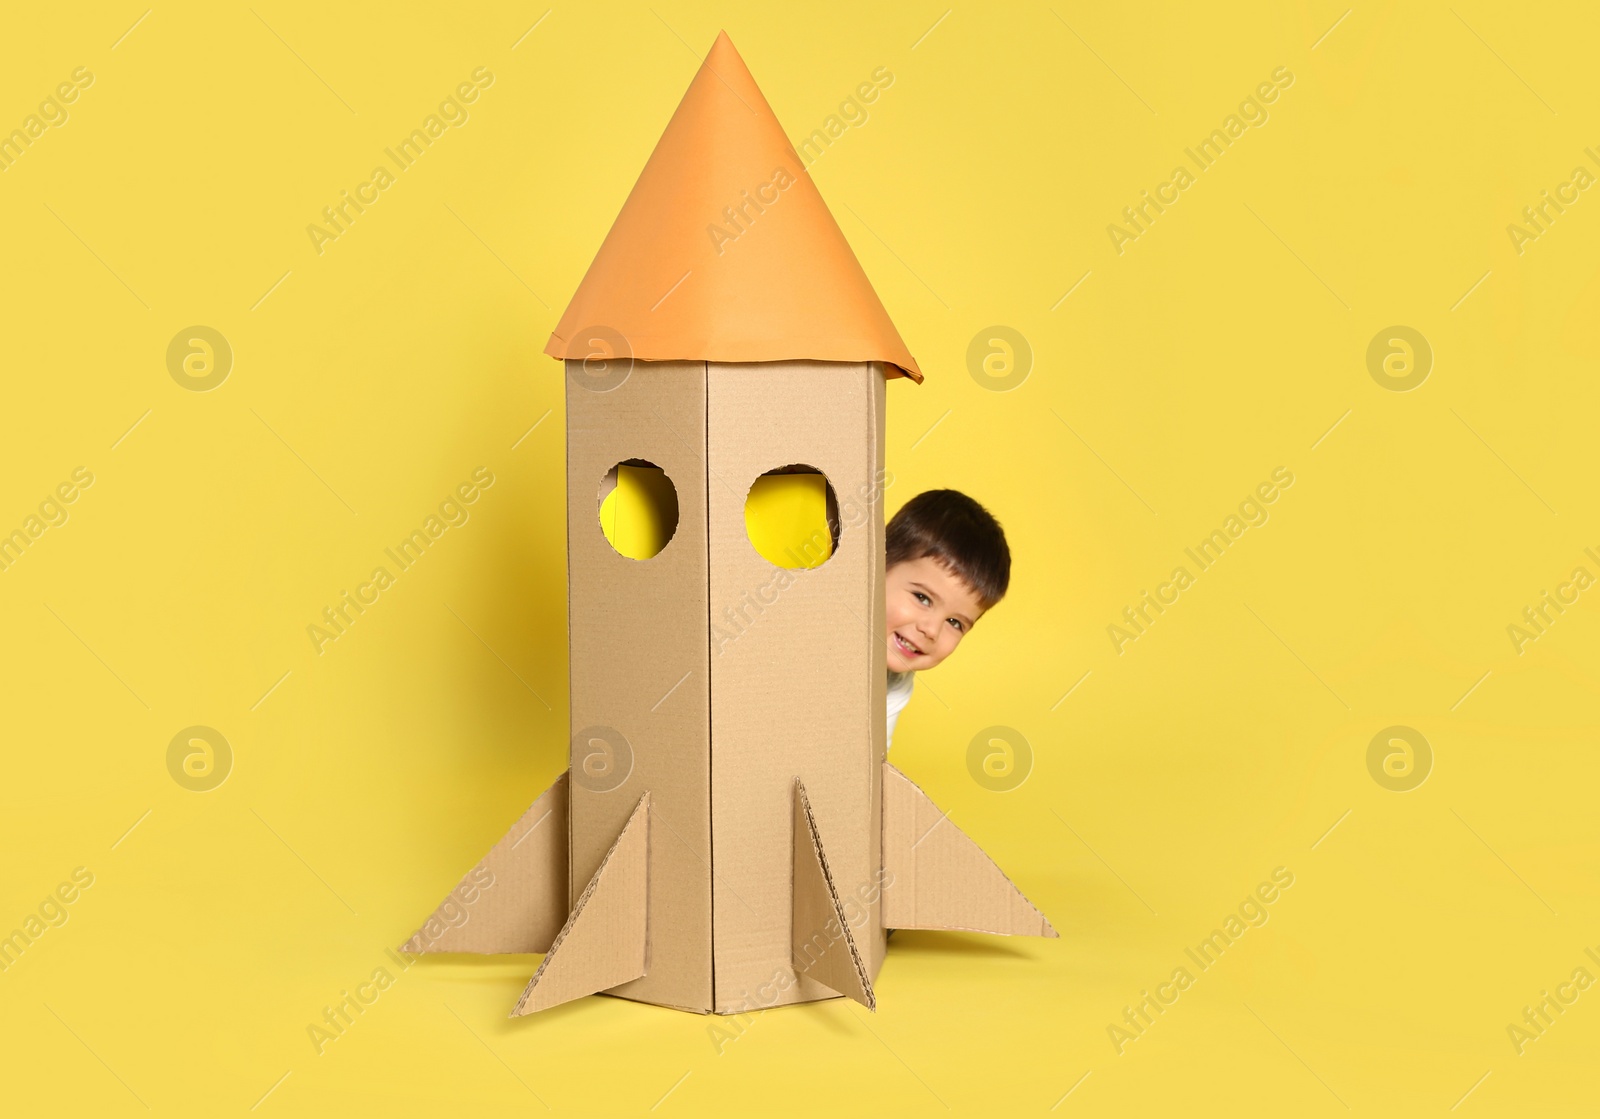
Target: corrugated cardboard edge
(606, 939)
(515, 899)
(816, 908)
(876, 940)
(941, 878)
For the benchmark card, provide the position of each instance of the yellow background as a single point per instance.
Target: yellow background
(1226, 741)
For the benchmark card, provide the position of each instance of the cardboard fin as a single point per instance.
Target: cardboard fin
(516, 898)
(604, 942)
(823, 948)
(940, 878)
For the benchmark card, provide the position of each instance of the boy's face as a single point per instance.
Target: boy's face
(927, 613)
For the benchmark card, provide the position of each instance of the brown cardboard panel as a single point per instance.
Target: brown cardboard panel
(638, 662)
(797, 666)
(605, 941)
(516, 899)
(822, 946)
(940, 878)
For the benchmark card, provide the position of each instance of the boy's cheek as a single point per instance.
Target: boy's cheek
(955, 644)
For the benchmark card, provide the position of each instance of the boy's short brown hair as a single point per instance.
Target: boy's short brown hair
(959, 533)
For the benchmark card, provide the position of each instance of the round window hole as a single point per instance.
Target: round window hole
(638, 508)
(792, 517)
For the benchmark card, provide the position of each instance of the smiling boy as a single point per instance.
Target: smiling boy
(946, 563)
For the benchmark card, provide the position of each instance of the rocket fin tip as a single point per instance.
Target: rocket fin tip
(515, 899)
(940, 878)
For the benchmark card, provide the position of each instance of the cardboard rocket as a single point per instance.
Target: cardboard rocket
(728, 836)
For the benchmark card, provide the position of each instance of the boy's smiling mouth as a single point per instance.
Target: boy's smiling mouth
(906, 647)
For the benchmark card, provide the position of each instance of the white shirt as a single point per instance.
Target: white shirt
(899, 695)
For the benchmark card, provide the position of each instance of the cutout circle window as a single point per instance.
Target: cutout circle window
(638, 508)
(791, 516)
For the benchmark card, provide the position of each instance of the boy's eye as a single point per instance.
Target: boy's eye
(955, 622)
(922, 598)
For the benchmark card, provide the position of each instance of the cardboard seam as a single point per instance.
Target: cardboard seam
(572, 676)
(645, 898)
(873, 638)
(711, 742)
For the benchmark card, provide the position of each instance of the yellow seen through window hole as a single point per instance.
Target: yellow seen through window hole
(638, 508)
(792, 517)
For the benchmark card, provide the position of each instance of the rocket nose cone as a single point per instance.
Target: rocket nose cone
(723, 47)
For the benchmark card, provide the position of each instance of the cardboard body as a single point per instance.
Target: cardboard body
(729, 677)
